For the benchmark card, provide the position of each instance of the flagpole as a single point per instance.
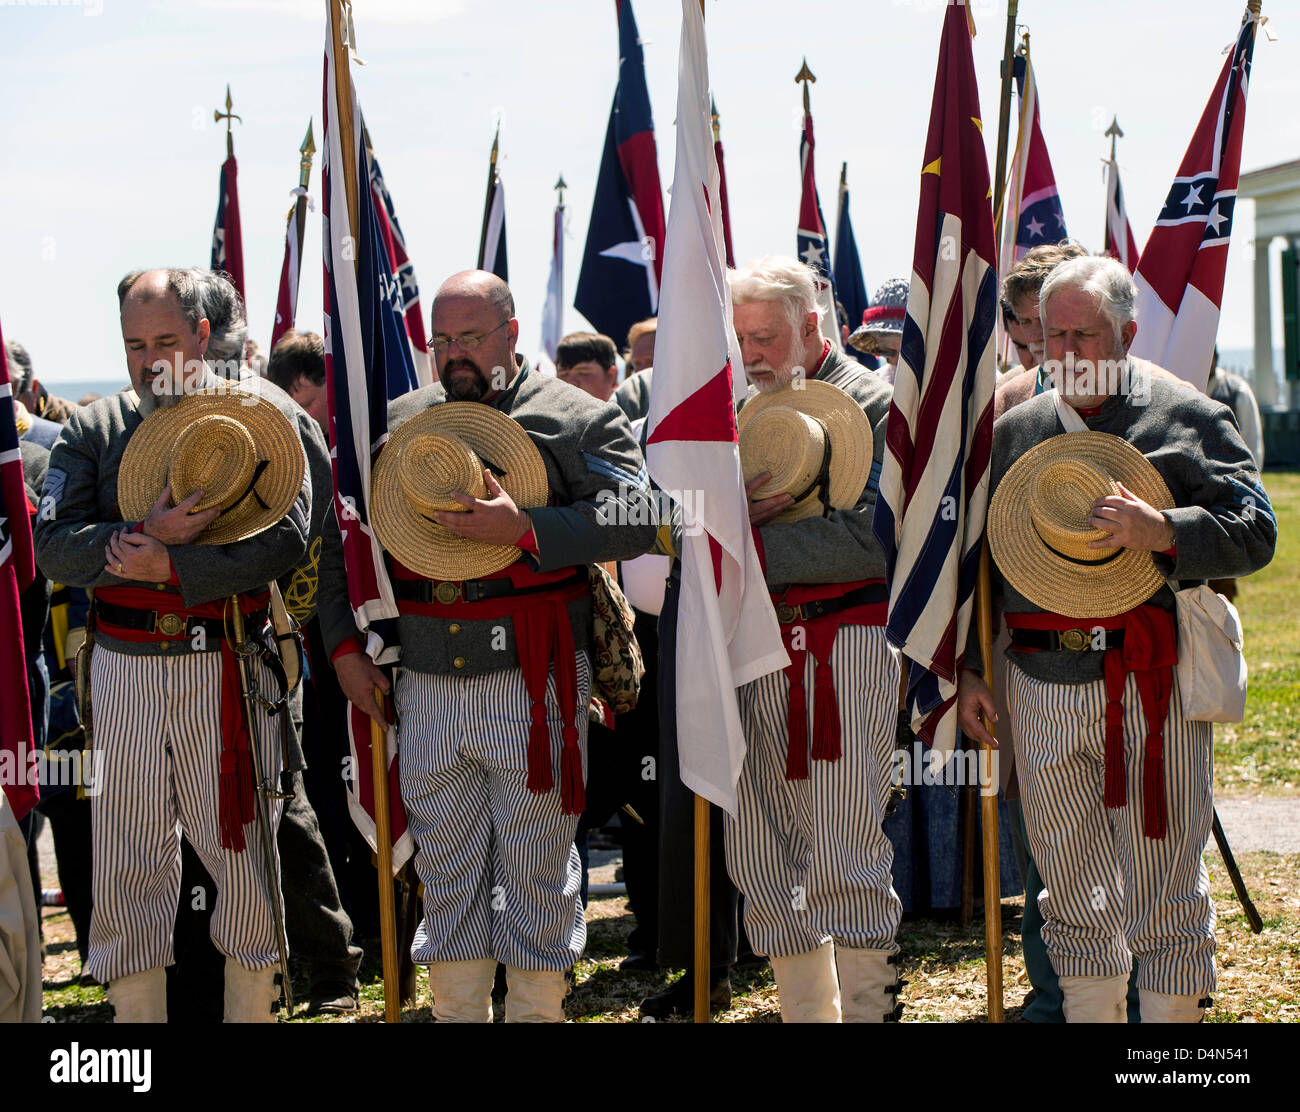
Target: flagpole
(378, 737)
(703, 956)
(483, 263)
(984, 614)
(1114, 134)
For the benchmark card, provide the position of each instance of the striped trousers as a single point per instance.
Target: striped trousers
(1111, 893)
(501, 874)
(157, 741)
(810, 855)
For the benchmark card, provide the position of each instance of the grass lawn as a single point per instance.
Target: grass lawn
(1262, 754)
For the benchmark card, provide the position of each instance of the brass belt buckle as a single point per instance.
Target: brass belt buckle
(1074, 640)
(785, 613)
(447, 593)
(170, 625)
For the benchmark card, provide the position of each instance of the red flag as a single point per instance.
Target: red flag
(227, 238)
(722, 188)
(286, 302)
(17, 570)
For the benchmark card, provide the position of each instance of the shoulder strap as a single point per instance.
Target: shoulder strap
(1068, 415)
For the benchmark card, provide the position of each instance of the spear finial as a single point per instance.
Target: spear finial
(227, 115)
(560, 187)
(307, 149)
(806, 76)
(1113, 133)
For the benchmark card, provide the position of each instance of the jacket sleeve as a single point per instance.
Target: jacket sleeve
(333, 607)
(840, 548)
(612, 514)
(71, 534)
(1228, 528)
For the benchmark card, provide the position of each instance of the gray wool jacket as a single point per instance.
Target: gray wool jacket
(1223, 522)
(79, 514)
(601, 509)
(840, 548)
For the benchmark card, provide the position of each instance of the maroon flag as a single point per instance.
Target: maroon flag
(722, 187)
(227, 238)
(17, 570)
(286, 302)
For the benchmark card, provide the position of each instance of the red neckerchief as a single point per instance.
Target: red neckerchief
(818, 634)
(235, 783)
(1150, 651)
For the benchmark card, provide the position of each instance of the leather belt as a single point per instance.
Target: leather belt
(450, 591)
(808, 611)
(169, 624)
(1067, 640)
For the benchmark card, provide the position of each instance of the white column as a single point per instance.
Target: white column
(1265, 383)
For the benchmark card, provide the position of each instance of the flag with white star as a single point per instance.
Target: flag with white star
(811, 242)
(1181, 270)
(1033, 215)
(227, 236)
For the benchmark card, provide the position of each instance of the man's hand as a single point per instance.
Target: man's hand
(495, 521)
(765, 509)
(175, 524)
(972, 697)
(1131, 523)
(135, 556)
(359, 676)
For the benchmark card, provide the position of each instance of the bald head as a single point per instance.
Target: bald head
(474, 333)
(164, 331)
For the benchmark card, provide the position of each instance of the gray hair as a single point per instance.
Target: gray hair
(224, 309)
(181, 282)
(1106, 279)
(777, 278)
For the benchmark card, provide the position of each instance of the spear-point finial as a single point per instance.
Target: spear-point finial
(496, 140)
(560, 187)
(713, 112)
(1113, 133)
(806, 76)
(307, 149)
(844, 175)
(227, 115)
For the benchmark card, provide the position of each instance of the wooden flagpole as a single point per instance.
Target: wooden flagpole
(984, 616)
(485, 263)
(378, 740)
(703, 955)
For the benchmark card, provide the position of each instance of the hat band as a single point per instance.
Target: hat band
(1074, 559)
(822, 481)
(262, 465)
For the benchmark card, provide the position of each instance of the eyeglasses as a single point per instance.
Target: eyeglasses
(440, 344)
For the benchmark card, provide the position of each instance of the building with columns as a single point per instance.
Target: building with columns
(1276, 193)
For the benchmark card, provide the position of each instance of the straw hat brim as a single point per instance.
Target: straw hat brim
(848, 427)
(866, 338)
(426, 547)
(143, 472)
(1051, 581)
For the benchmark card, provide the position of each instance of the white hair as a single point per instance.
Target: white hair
(1106, 279)
(777, 278)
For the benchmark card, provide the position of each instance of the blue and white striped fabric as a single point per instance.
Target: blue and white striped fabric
(157, 755)
(1113, 894)
(810, 855)
(501, 874)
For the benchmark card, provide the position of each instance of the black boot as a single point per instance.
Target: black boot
(679, 998)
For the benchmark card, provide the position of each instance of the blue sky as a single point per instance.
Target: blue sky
(112, 153)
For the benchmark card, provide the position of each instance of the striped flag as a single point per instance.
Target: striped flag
(934, 482)
(286, 302)
(1120, 243)
(367, 363)
(553, 310)
(692, 448)
(227, 235)
(850, 287)
(492, 242)
(400, 262)
(17, 570)
(812, 246)
(1180, 274)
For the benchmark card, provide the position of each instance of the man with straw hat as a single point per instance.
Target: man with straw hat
(174, 501)
(493, 492)
(1084, 527)
(806, 847)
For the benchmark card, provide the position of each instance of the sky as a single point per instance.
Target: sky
(112, 154)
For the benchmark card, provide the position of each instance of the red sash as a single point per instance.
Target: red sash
(818, 634)
(1150, 651)
(235, 785)
(544, 638)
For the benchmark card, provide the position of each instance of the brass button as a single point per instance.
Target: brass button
(163, 646)
(454, 627)
(459, 662)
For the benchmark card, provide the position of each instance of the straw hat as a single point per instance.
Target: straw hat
(1039, 531)
(235, 446)
(435, 454)
(792, 432)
